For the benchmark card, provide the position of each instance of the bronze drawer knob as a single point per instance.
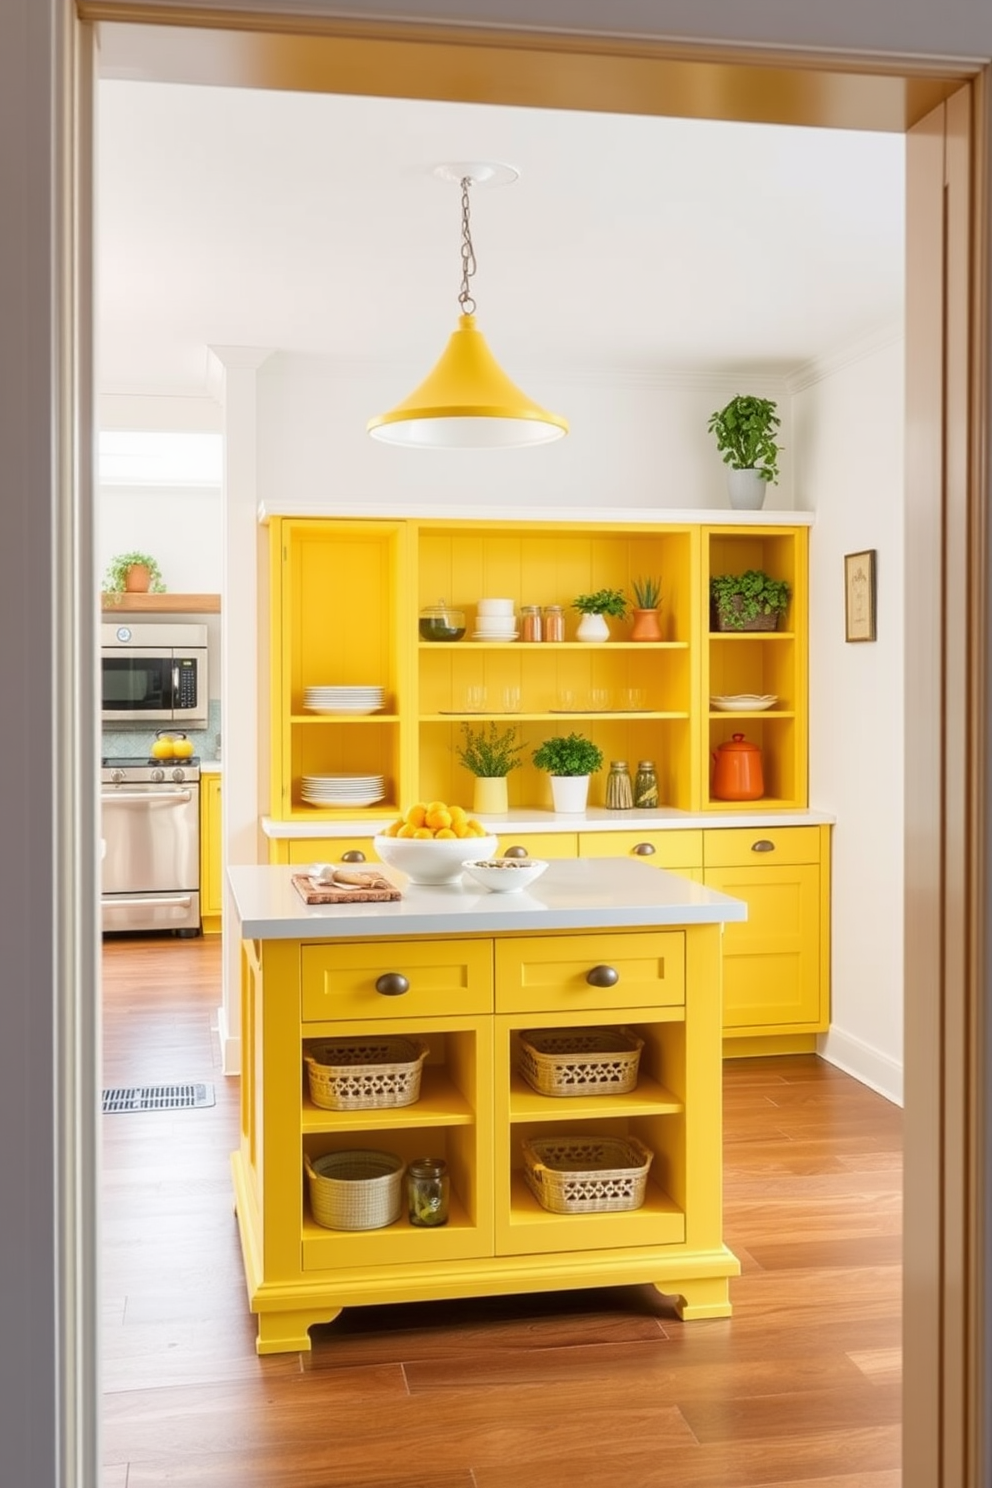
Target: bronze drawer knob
(643, 849)
(763, 844)
(516, 852)
(392, 984)
(603, 976)
(354, 855)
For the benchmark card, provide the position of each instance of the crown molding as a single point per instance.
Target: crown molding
(820, 368)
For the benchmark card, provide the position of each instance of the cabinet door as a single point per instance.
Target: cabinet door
(771, 962)
(211, 855)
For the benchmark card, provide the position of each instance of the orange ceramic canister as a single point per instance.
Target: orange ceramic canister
(737, 772)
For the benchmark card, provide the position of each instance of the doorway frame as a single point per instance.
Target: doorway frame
(947, 1034)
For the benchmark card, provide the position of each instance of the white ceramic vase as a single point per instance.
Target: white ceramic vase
(570, 792)
(746, 489)
(593, 628)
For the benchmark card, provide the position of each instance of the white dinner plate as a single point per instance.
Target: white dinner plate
(744, 702)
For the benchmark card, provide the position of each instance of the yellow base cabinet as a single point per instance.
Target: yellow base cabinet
(469, 999)
(776, 976)
(211, 855)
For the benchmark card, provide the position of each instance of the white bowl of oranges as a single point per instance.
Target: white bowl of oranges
(431, 842)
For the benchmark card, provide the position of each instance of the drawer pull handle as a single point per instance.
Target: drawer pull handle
(643, 849)
(516, 852)
(603, 976)
(392, 984)
(353, 856)
(763, 844)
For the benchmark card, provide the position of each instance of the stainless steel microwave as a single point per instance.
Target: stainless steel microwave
(154, 674)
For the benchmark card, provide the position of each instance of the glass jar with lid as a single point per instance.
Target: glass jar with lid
(646, 785)
(619, 792)
(530, 622)
(427, 1190)
(554, 623)
(441, 622)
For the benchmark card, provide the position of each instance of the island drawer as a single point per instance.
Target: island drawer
(756, 847)
(668, 849)
(403, 979)
(551, 974)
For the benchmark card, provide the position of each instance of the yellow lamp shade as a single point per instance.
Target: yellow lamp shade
(467, 402)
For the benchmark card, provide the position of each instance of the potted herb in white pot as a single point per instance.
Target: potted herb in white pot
(569, 759)
(745, 435)
(490, 754)
(594, 609)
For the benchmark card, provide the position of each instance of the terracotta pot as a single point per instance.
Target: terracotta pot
(137, 579)
(647, 626)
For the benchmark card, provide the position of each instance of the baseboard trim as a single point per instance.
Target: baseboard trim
(230, 1047)
(873, 1068)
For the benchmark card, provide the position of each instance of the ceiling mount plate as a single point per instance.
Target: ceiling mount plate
(479, 172)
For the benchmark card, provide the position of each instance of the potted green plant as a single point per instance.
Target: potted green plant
(133, 573)
(647, 598)
(490, 753)
(745, 435)
(569, 759)
(749, 601)
(594, 609)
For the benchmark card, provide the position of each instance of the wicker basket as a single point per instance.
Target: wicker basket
(357, 1190)
(595, 1175)
(580, 1061)
(363, 1074)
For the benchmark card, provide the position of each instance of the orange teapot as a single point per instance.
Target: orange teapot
(737, 771)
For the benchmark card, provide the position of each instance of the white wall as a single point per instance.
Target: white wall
(848, 429)
(634, 442)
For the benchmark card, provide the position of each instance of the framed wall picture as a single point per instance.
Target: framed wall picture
(859, 595)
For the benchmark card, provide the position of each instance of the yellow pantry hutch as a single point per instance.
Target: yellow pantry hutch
(345, 595)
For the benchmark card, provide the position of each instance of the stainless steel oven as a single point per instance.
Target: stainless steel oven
(150, 825)
(154, 674)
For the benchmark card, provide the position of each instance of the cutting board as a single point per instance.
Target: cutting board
(312, 893)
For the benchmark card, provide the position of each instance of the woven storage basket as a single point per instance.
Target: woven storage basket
(363, 1074)
(357, 1190)
(580, 1061)
(595, 1175)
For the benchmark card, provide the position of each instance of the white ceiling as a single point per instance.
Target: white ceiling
(313, 223)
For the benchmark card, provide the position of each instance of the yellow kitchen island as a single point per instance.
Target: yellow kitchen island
(592, 943)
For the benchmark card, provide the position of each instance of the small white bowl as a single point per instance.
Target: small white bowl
(505, 875)
(494, 607)
(431, 860)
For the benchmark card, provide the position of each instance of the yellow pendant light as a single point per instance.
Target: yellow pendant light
(467, 401)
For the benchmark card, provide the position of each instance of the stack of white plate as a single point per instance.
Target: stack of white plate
(344, 699)
(495, 620)
(342, 790)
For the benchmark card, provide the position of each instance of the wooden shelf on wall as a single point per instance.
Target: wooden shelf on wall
(161, 604)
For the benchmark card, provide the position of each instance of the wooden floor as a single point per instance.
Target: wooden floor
(574, 1390)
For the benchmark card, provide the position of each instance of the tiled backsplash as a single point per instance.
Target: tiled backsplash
(135, 741)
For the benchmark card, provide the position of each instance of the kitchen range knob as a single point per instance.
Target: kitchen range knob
(516, 852)
(392, 984)
(117, 776)
(354, 856)
(642, 849)
(603, 976)
(158, 775)
(178, 775)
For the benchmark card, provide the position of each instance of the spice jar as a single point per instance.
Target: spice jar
(530, 622)
(427, 1190)
(646, 785)
(554, 623)
(619, 792)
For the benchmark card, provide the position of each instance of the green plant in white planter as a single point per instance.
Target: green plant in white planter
(594, 609)
(569, 759)
(133, 573)
(745, 436)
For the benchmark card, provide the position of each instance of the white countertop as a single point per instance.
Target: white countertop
(596, 819)
(210, 766)
(574, 894)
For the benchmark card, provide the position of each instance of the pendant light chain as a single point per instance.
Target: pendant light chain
(468, 253)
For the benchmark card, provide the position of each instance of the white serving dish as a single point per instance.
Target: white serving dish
(744, 702)
(512, 874)
(432, 860)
